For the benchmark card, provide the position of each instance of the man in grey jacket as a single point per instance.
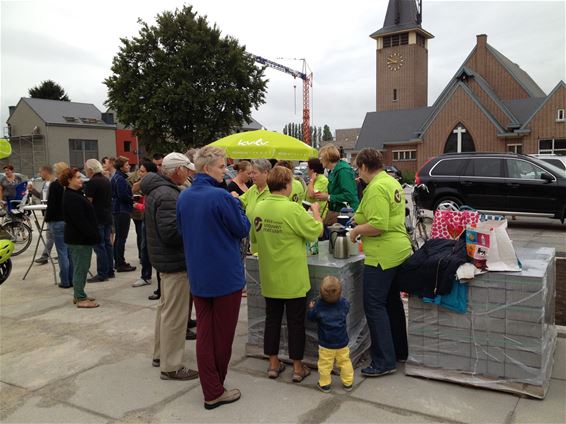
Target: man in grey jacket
(165, 248)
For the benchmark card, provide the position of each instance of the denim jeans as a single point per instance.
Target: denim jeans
(122, 227)
(57, 229)
(144, 256)
(104, 252)
(385, 317)
(49, 242)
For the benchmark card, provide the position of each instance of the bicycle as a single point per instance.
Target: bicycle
(416, 221)
(16, 224)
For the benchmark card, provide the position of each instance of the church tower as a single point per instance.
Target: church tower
(402, 58)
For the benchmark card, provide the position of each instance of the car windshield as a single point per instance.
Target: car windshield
(553, 168)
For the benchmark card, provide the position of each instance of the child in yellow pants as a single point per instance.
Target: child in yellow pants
(330, 312)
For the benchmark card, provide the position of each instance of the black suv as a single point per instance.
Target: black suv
(507, 183)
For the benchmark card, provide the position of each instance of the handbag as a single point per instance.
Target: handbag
(450, 225)
(330, 218)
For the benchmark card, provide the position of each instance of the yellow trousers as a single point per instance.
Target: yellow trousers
(326, 358)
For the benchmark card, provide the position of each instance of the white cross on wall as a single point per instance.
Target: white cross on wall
(460, 130)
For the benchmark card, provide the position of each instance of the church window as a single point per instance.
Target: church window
(420, 40)
(396, 40)
(399, 155)
(560, 115)
(395, 95)
(556, 146)
(515, 148)
(459, 141)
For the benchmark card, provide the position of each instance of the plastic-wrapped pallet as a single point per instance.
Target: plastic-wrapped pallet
(349, 271)
(506, 339)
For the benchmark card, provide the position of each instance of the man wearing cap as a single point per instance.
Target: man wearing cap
(165, 248)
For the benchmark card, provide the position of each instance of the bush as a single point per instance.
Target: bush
(408, 177)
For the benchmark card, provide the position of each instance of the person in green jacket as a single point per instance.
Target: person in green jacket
(257, 192)
(281, 229)
(342, 188)
(299, 189)
(380, 222)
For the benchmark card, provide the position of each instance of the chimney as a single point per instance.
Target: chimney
(11, 109)
(481, 54)
(108, 117)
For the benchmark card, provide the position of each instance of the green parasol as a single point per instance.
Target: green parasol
(265, 144)
(5, 148)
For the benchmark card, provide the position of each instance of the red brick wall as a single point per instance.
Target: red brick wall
(411, 80)
(459, 108)
(544, 125)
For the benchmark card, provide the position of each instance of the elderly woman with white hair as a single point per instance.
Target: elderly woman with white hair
(257, 192)
(212, 224)
(99, 192)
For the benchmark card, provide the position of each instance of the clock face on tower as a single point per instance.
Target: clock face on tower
(395, 61)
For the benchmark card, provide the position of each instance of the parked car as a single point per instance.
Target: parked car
(556, 160)
(394, 172)
(505, 183)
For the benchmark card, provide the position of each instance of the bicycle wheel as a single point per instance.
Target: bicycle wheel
(20, 234)
(421, 232)
(5, 270)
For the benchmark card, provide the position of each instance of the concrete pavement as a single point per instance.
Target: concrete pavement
(64, 365)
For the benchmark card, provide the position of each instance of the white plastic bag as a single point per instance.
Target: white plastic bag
(501, 255)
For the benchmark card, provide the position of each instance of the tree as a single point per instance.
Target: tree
(326, 134)
(181, 84)
(48, 90)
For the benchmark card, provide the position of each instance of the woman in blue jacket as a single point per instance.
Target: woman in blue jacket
(212, 223)
(122, 206)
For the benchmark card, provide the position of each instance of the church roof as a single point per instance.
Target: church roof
(518, 74)
(523, 109)
(391, 127)
(401, 16)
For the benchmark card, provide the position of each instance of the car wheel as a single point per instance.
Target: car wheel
(449, 204)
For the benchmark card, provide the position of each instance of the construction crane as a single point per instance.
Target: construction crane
(307, 84)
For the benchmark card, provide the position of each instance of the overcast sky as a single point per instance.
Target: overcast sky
(73, 43)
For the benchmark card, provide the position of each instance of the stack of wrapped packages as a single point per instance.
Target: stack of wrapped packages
(493, 325)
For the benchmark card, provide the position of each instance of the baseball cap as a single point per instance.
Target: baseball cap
(174, 160)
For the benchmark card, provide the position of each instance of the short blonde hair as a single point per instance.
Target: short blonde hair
(207, 156)
(330, 289)
(278, 178)
(59, 167)
(330, 153)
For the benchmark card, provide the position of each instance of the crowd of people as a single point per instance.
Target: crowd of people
(194, 231)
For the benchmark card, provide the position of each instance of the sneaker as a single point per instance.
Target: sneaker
(41, 261)
(64, 287)
(125, 268)
(141, 282)
(324, 389)
(112, 275)
(228, 396)
(191, 335)
(96, 279)
(347, 388)
(181, 374)
(154, 297)
(192, 323)
(156, 362)
(373, 372)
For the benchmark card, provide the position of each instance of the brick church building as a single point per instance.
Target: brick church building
(490, 104)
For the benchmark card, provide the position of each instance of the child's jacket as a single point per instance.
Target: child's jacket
(331, 319)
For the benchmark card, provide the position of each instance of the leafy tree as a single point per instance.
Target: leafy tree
(181, 84)
(326, 134)
(48, 90)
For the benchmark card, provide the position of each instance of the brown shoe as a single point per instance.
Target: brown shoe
(181, 374)
(85, 303)
(92, 299)
(228, 396)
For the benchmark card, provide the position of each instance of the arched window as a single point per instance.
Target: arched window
(459, 141)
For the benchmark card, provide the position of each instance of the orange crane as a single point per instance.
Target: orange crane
(307, 84)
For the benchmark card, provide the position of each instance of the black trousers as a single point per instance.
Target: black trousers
(122, 227)
(296, 311)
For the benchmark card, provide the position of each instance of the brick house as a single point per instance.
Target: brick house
(490, 104)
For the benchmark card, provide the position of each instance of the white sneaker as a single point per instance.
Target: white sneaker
(141, 282)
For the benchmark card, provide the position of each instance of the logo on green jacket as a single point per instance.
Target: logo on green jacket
(295, 198)
(397, 196)
(258, 223)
